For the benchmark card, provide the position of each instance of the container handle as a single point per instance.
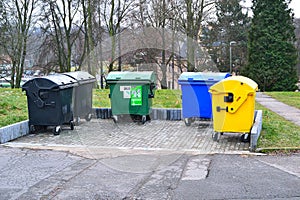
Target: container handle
(36, 99)
(238, 101)
(152, 86)
(219, 109)
(218, 92)
(52, 104)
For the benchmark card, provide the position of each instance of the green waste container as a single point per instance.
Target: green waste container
(131, 94)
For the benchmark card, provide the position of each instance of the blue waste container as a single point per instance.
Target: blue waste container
(196, 100)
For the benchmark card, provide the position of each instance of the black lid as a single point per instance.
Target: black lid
(51, 82)
(81, 76)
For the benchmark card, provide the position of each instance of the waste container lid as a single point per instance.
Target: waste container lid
(202, 76)
(132, 77)
(51, 81)
(232, 82)
(81, 76)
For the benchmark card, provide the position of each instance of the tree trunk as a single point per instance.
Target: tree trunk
(112, 36)
(189, 34)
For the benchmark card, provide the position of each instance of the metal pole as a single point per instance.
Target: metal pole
(230, 55)
(173, 29)
(230, 58)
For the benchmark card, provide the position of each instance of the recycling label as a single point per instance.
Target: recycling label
(126, 91)
(136, 96)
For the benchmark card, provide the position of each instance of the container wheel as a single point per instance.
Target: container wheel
(77, 120)
(56, 130)
(72, 124)
(245, 138)
(115, 118)
(32, 129)
(88, 117)
(216, 136)
(187, 121)
(144, 119)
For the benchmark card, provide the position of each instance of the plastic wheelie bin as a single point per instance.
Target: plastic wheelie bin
(196, 100)
(131, 94)
(233, 104)
(50, 102)
(82, 95)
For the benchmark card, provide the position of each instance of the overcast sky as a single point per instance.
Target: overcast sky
(295, 5)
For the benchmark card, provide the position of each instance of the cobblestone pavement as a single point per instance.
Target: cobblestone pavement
(157, 135)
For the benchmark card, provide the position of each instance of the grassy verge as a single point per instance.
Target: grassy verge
(167, 99)
(100, 98)
(277, 133)
(13, 106)
(163, 99)
(290, 98)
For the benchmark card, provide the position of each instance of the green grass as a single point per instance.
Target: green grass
(167, 99)
(277, 132)
(13, 106)
(290, 98)
(100, 98)
(162, 99)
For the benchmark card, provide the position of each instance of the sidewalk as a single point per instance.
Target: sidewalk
(288, 112)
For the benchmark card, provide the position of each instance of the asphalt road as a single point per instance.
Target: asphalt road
(49, 174)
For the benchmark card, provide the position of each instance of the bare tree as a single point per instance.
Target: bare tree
(158, 19)
(114, 13)
(16, 21)
(158, 14)
(61, 22)
(191, 14)
(88, 10)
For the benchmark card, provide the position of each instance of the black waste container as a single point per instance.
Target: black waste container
(50, 102)
(83, 95)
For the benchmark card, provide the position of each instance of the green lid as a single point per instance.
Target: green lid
(145, 76)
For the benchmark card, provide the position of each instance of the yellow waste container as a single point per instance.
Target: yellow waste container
(233, 104)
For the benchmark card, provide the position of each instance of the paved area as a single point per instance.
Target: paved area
(288, 112)
(239, 177)
(157, 135)
(27, 174)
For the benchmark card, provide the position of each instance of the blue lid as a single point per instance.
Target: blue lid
(202, 76)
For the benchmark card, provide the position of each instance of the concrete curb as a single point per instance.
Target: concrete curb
(166, 114)
(255, 131)
(13, 131)
(156, 114)
(102, 113)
